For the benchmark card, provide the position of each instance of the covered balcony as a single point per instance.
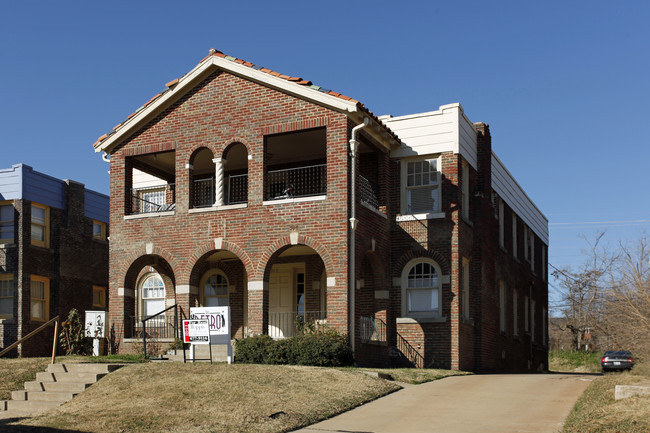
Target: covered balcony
(150, 183)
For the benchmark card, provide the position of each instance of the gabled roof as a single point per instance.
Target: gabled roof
(216, 60)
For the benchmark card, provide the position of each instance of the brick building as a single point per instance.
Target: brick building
(53, 254)
(291, 203)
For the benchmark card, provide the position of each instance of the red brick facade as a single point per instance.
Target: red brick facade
(249, 242)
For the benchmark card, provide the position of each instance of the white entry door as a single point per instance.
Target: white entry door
(281, 301)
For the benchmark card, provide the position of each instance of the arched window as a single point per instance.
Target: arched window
(152, 292)
(421, 294)
(214, 290)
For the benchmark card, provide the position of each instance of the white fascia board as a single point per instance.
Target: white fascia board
(188, 80)
(514, 195)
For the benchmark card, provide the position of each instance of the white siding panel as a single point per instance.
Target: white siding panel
(467, 141)
(11, 183)
(509, 190)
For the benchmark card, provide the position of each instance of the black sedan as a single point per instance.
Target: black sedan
(617, 360)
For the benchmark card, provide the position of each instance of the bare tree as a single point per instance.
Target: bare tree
(581, 295)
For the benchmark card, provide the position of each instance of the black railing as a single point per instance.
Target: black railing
(290, 324)
(203, 190)
(296, 182)
(409, 352)
(372, 329)
(237, 188)
(368, 193)
(153, 199)
(158, 326)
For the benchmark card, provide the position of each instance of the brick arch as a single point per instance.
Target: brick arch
(199, 148)
(157, 262)
(225, 146)
(209, 247)
(138, 257)
(440, 259)
(279, 244)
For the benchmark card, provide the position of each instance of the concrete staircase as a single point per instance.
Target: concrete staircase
(58, 384)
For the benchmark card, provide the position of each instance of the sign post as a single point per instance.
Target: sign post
(219, 323)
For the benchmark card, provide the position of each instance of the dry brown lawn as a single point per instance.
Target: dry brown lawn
(210, 398)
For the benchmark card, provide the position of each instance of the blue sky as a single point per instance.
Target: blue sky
(563, 85)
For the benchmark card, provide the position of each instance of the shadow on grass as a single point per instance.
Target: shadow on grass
(6, 428)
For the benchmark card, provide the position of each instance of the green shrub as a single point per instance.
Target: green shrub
(72, 338)
(324, 349)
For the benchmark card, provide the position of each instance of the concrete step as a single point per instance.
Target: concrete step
(56, 386)
(83, 368)
(69, 377)
(61, 397)
(29, 406)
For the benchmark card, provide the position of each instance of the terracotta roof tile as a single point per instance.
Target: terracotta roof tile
(296, 80)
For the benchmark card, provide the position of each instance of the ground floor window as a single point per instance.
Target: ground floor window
(214, 292)
(421, 289)
(40, 298)
(153, 295)
(6, 296)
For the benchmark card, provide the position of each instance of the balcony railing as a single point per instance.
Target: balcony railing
(290, 324)
(368, 193)
(296, 182)
(372, 329)
(237, 189)
(153, 199)
(203, 192)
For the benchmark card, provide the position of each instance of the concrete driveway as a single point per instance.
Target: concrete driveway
(497, 403)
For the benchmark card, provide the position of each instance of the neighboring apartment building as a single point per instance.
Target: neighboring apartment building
(53, 254)
(292, 203)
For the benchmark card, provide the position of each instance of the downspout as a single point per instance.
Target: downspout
(354, 145)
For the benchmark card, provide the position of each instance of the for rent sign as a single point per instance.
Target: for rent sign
(196, 331)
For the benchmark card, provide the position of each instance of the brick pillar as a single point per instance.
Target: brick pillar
(258, 307)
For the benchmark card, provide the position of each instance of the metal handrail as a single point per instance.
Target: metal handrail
(144, 325)
(34, 332)
(409, 352)
(372, 329)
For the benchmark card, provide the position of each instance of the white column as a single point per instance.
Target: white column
(218, 180)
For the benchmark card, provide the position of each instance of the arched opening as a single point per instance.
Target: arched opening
(236, 174)
(202, 175)
(297, 291)
(421, 289)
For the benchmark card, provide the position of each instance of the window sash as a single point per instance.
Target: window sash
(39, 294)
(6, 296)
(422, 300)
(99, 296)
(215, 291)
(421, 183)
(6, 222)
(39, 223)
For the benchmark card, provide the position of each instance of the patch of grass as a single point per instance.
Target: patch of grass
(14, 372)
(596, 411)
(417, 376)
(574, 361)
(174, 397)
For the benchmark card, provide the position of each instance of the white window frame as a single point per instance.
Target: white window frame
(437, 209)
(7, 293)
(502, 306)
(6, 223)
(436, 289)
(465, 287)
(142, 300)
(220, 275)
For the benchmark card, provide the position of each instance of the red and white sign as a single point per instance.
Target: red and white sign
(196, 332)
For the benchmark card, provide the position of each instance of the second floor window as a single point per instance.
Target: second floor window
(421, 182)
(6, 223)
(40, 225)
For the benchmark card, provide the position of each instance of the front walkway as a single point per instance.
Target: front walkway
(499, 403)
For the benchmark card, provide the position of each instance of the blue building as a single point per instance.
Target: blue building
(53, 253)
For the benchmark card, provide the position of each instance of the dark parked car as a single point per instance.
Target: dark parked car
(617, 360)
